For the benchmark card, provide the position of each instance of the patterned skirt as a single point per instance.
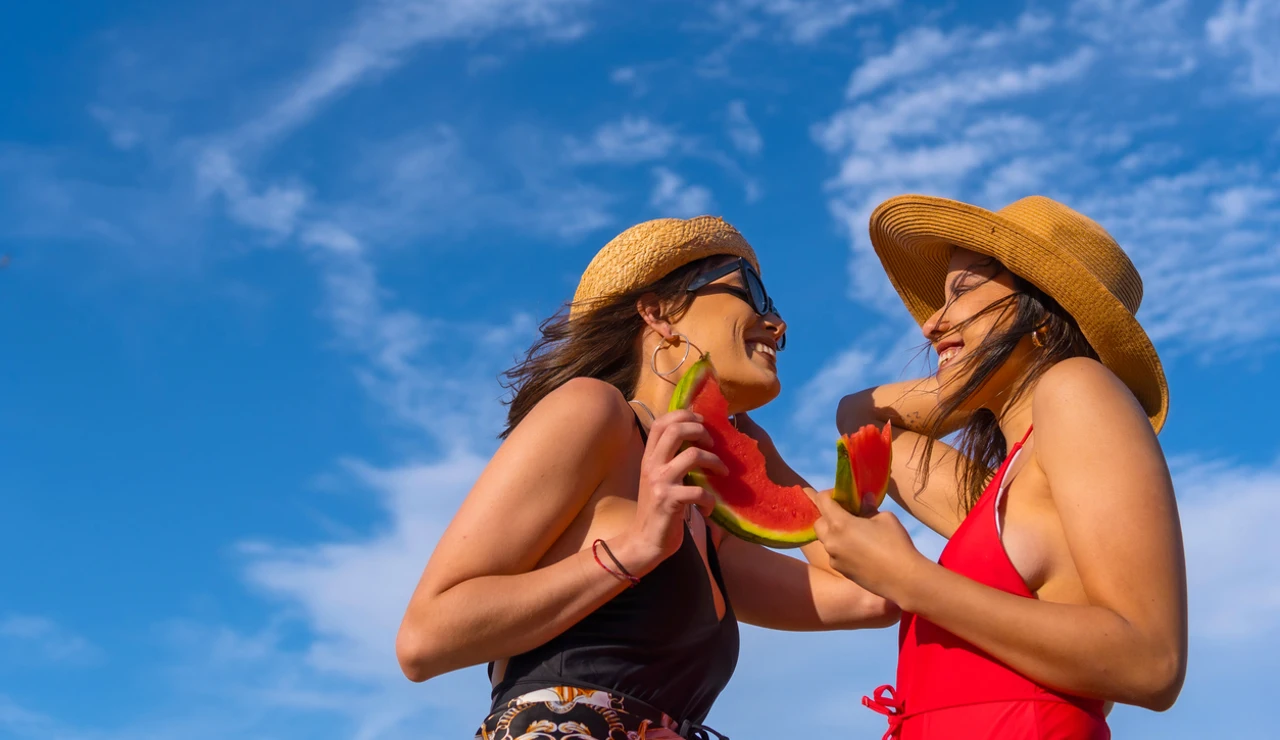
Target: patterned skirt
(568, 713)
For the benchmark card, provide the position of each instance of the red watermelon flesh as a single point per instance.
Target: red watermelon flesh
(863, 463)
(748, 504)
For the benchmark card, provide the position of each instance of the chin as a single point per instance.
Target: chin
(748, 394)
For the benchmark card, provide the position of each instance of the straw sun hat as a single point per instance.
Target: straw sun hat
(1063, 253)
(648, 251)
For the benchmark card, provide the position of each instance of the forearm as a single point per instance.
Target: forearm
(817, 556)
(772, 590)
(1085, 650)
(911, 405)
(491, 617)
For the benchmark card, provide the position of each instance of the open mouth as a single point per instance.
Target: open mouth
(948, 351)
(764, 348)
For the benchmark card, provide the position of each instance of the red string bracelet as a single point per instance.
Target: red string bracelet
(624, 575)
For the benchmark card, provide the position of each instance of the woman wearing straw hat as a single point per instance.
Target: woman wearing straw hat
(580, 566)
(1063, 585)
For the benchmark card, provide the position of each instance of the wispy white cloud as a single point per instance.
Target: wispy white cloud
(934, 131)
(1150, 155)
(913, 52)
(1148, 38)
(1233, 556)
(386, 31)
(630, 140)
(801, 21)
(742, 131)
(674, 197)
(29, 639)
(273, 209)
(1167, 223)
(962, 133)
(1250, 29)
(921, 49)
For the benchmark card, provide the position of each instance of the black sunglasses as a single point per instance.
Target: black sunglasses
(755, 295)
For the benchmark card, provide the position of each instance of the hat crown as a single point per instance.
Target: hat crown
(1084, 239)
(648, 251)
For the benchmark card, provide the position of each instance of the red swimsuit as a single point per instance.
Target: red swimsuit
(950, 690)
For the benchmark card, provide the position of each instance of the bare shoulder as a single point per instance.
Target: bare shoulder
(585, 409)
(1082, 391)
(1090, 427)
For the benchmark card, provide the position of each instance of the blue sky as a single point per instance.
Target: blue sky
(266, 262)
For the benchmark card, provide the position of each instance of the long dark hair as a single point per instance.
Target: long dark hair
(981, 444)
(601, 343)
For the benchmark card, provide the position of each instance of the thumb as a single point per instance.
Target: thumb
(827, 505)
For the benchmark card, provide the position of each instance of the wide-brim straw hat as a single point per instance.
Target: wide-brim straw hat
(649, 251)
(1063, 253)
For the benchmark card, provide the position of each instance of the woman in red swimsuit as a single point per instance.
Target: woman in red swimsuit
(1063, 586)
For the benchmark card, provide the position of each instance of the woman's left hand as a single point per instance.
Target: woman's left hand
(875, 552)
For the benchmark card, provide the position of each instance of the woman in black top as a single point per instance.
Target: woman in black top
(580, 565)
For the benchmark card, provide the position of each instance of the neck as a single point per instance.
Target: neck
(1015, 417)
(654, 392)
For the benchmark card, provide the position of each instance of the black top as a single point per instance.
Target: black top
(659, 642)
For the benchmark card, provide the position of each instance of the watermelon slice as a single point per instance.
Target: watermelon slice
(863, 462)
(748, 504)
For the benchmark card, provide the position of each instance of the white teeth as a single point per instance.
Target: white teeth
(764, 349)
(947, 355)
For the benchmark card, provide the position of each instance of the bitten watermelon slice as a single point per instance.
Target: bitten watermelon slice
(863, 462)
(748, 504)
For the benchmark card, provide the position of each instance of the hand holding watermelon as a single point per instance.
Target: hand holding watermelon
(875, 552)
(747, 503)
(669, 457)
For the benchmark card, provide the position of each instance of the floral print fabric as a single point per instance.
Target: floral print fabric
(568, 713)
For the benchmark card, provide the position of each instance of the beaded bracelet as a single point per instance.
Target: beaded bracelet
(624, 575)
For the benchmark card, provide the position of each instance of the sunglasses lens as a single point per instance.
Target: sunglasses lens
(759, 300)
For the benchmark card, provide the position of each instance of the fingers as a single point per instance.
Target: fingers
(666, 441)
(683, 496)
(695, 458)
(814, 495)
(827, 506)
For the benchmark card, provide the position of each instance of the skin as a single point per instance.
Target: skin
(1089, 518)
(576, 470)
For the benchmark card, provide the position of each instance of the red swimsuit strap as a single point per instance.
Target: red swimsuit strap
(1025, 437)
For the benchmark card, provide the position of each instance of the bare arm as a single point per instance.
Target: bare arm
(910, 406)
(770, 589)
(482, 596)
(1113, 493)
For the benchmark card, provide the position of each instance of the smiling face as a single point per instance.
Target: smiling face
(979, 302)
(743, 344)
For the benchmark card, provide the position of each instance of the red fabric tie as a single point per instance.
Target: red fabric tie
(886, 702)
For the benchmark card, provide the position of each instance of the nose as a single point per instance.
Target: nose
(932, 327)
(778, 328)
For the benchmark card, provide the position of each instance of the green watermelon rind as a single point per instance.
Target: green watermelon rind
(844, 493)
(723, 514)
(847, 489)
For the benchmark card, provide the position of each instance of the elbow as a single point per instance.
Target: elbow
(887, 614)
(855, 410)
(1162, 680)
(877, 613)
(417, 654)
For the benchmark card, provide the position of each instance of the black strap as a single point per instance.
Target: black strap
(694, 731)
(644, 435)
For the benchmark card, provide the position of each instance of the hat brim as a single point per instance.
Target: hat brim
(913, 236)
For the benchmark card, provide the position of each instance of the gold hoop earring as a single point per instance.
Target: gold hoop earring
(1036, 337)
(666, 341)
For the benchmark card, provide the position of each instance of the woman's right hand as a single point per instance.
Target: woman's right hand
(663, 497)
